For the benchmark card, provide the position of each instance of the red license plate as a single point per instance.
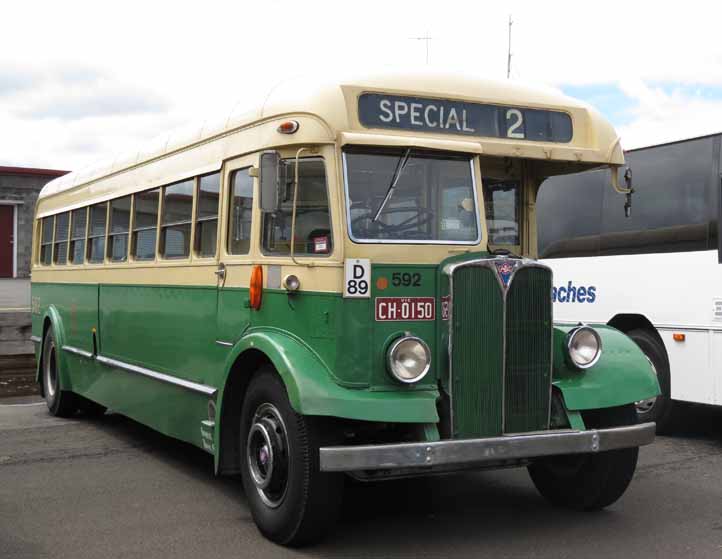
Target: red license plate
(405, 308)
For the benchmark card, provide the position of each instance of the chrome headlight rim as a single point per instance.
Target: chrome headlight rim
(570, 338)
(390, 361)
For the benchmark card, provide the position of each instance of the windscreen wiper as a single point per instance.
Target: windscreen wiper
(400, 164)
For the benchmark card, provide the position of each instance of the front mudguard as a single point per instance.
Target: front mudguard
(623, 374)
(312, 390)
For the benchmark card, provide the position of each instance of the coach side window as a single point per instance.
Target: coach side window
(239, 219)
(313, 222)
(206, 235)
(78, 221)
(119, 226)
(60, 252)
(145, 224)
(46, 241)
(501, 201)
(96, 232)
(175, 237)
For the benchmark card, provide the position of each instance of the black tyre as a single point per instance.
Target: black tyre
(61, 403)
(659, 409)
(292, 502)
(589, 481)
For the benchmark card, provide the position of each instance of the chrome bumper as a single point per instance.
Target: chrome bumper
(469, 452)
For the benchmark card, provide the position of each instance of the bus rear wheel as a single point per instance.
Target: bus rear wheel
(61, 403)
(657, 409)
(292, 502)
(589, 481)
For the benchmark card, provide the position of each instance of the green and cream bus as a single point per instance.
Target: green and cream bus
(312, 290)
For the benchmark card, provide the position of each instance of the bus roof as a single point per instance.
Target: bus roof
(334, 104)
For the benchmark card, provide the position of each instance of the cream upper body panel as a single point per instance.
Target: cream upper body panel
(328, 113)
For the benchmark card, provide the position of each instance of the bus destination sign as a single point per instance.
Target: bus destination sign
(376, 110)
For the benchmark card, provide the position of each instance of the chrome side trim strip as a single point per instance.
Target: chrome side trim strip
(224, 344)
(473, 452)
(169, 379)
(78, 351)
(193, 386)
(36, 339)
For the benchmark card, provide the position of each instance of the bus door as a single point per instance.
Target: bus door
(237, 250)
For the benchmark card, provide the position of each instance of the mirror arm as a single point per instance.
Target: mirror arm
(627, 190)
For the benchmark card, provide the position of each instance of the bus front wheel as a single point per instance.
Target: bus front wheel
(657, 409)
(589, 481)
(61, 403)
(292, 502)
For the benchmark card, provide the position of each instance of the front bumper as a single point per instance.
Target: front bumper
(470, 452)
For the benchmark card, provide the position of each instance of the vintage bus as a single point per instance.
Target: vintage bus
(654, 275)
(312, 290)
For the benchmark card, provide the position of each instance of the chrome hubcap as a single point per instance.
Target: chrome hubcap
(645, 406)
(267, 455)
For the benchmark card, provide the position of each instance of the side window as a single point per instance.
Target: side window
(501, 200)
(145, 224)
(313, 221)
(60, 252)
(206, 236)
(175, 240)
(119, 227)
(239, 219)
(46, 241)
(78, 221)
(96, 232)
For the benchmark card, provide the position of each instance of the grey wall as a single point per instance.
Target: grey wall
(24, 188)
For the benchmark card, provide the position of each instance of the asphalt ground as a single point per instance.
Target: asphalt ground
(110, 487)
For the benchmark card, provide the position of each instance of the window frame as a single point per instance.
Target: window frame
(57, 242)
(109, 229)
(160, 241)
(73, 239)
(229, 220)
(296, 254)
(195, 250)
(89, 237)
(347, 209)
(134, 229)
(51, 242)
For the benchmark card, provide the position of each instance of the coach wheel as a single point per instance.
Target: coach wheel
(61, 403)
(658, 409)
(589, 481)
(292, 502)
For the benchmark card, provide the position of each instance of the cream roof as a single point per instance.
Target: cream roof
(333, 102)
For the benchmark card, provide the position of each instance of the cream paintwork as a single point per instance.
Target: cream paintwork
(327, 114)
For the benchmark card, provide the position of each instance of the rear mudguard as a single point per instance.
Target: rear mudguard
(312, 390)
(622, 375)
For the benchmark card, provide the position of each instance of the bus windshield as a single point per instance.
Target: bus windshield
(432, 199)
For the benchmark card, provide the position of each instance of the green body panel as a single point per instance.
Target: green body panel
(622, 375)
(312, 393)
(528, 351)
(477, 364)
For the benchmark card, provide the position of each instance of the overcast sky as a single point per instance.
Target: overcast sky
(80, 81)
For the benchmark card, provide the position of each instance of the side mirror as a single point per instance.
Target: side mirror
(269, 181)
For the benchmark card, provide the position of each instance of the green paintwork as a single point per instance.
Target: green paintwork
(622, 375)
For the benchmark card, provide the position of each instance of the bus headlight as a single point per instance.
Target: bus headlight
(408, 359)
(584, 346)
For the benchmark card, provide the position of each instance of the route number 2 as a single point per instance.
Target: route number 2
(357, 278)
(515, 120)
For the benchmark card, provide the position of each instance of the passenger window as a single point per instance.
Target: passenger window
(96, 232)
(501, 202)
(313, 222)
(119, 227)
(46, 243)
(175, 237)
(239, 219)
(206, 237)
(78, 221)
(145, 224)
(60, 252)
